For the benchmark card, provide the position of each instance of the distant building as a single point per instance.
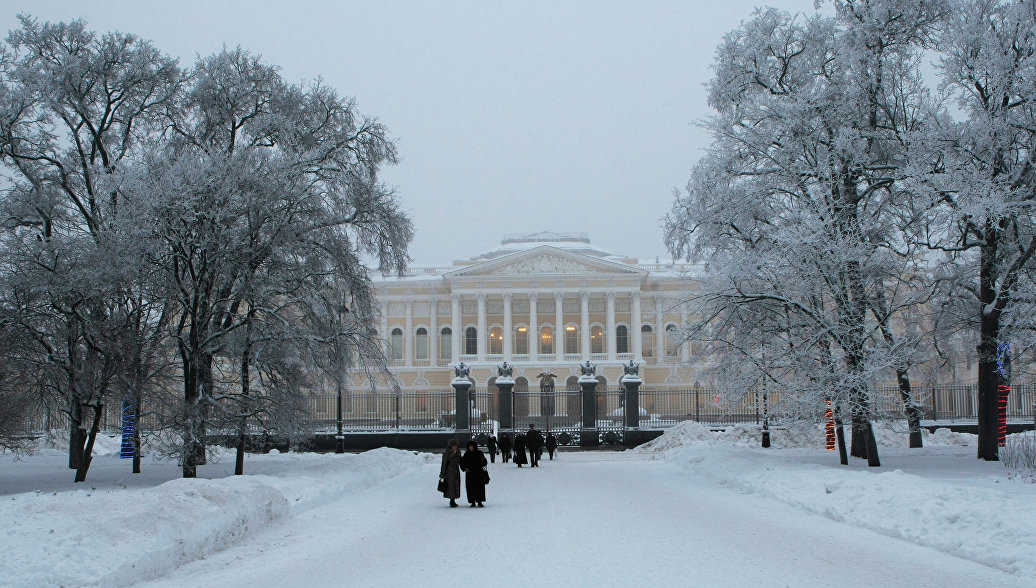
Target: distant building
(541, 301)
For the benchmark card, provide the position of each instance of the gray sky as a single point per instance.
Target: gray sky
(510, 118)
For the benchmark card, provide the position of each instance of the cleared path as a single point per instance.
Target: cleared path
(585, 519)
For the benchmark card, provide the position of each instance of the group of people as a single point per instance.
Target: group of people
(474, 464)
(532, 440)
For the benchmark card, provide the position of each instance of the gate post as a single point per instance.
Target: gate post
(505, 384)
(588, 434)
(631, 385)
(462, 386)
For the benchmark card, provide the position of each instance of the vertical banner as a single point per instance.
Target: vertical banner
(1003, 365)
(829, 426)
(129, 423)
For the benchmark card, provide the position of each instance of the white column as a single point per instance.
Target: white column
(638, 350)
(408, 335)
(508, 335)
(685, 348)
(455, 353)
(559, 326)
(384, 325)
(483, 336)
(534, 328)
(610, 325)
(659, 330)
(433, 333)
(584, 323)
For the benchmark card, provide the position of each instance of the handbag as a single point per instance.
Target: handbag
(485, 476)
(442, 485)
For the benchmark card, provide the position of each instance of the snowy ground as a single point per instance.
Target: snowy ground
(691, 508)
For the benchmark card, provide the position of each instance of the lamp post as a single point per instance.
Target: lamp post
(339, 437)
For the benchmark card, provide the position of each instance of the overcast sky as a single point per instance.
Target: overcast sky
(509, 118)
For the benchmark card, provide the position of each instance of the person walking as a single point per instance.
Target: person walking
(551, 443)
(535, 442)
(491, 446)
(505, 447)
(449, 473)
(519, 450)
(474, 465)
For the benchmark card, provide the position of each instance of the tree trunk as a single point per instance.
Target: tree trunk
(136, 433)
(843, 457)
(76, 439)
(239, 462)
(87, 457)
(910, 408)
(989, 337)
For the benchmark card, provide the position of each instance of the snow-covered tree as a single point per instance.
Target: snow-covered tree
(261, 191)
(979, 167)
(73, 106)
(796, 206)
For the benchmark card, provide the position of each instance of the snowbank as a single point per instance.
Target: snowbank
(115, 537)
(988, 518)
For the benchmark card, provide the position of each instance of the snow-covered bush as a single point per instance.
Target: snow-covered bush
(1020, 452)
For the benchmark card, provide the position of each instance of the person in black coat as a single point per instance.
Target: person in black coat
(551, 443)
(449, 473)
(505, 447)
(474, 465)
(535, 442)
(491, 446)
(519, 450)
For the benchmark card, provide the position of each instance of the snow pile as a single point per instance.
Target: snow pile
(683, 434)
(115, 537)
(810, 436)
(987, 520)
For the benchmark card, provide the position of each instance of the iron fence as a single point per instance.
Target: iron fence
(561, 411)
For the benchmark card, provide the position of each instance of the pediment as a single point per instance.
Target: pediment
(545, 261)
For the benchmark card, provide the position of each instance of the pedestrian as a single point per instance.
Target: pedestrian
(519, 450)
(535, 442)
(551, 443)
(449, 473)
(505, 447)
(475, 473)
(491, 446)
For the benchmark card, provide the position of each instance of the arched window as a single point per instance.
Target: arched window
(446, 344)
(496, 341)
(571, 339)
(596, 340)
(421, 344)
(647, 342)
(521, 340)
(546, 340)
(622, 342)
(671, 343)
(396, 344)
(470, 341)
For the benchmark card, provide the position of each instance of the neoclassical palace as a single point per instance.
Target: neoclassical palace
(543, 302)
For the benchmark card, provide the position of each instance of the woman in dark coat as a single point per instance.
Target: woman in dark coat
(450, 471)
(505, 447)
(491, 446)
(519, 450)
(552, 444)
(474, 465)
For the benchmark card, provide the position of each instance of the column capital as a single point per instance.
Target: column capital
(433, 301)
(532, 296)
(481, 297)
(507, 296)
(636, 295)
(609, 295)
(559, 295)
(584, 295)
(455, 297)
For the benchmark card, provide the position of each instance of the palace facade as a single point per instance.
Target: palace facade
(545, 302)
